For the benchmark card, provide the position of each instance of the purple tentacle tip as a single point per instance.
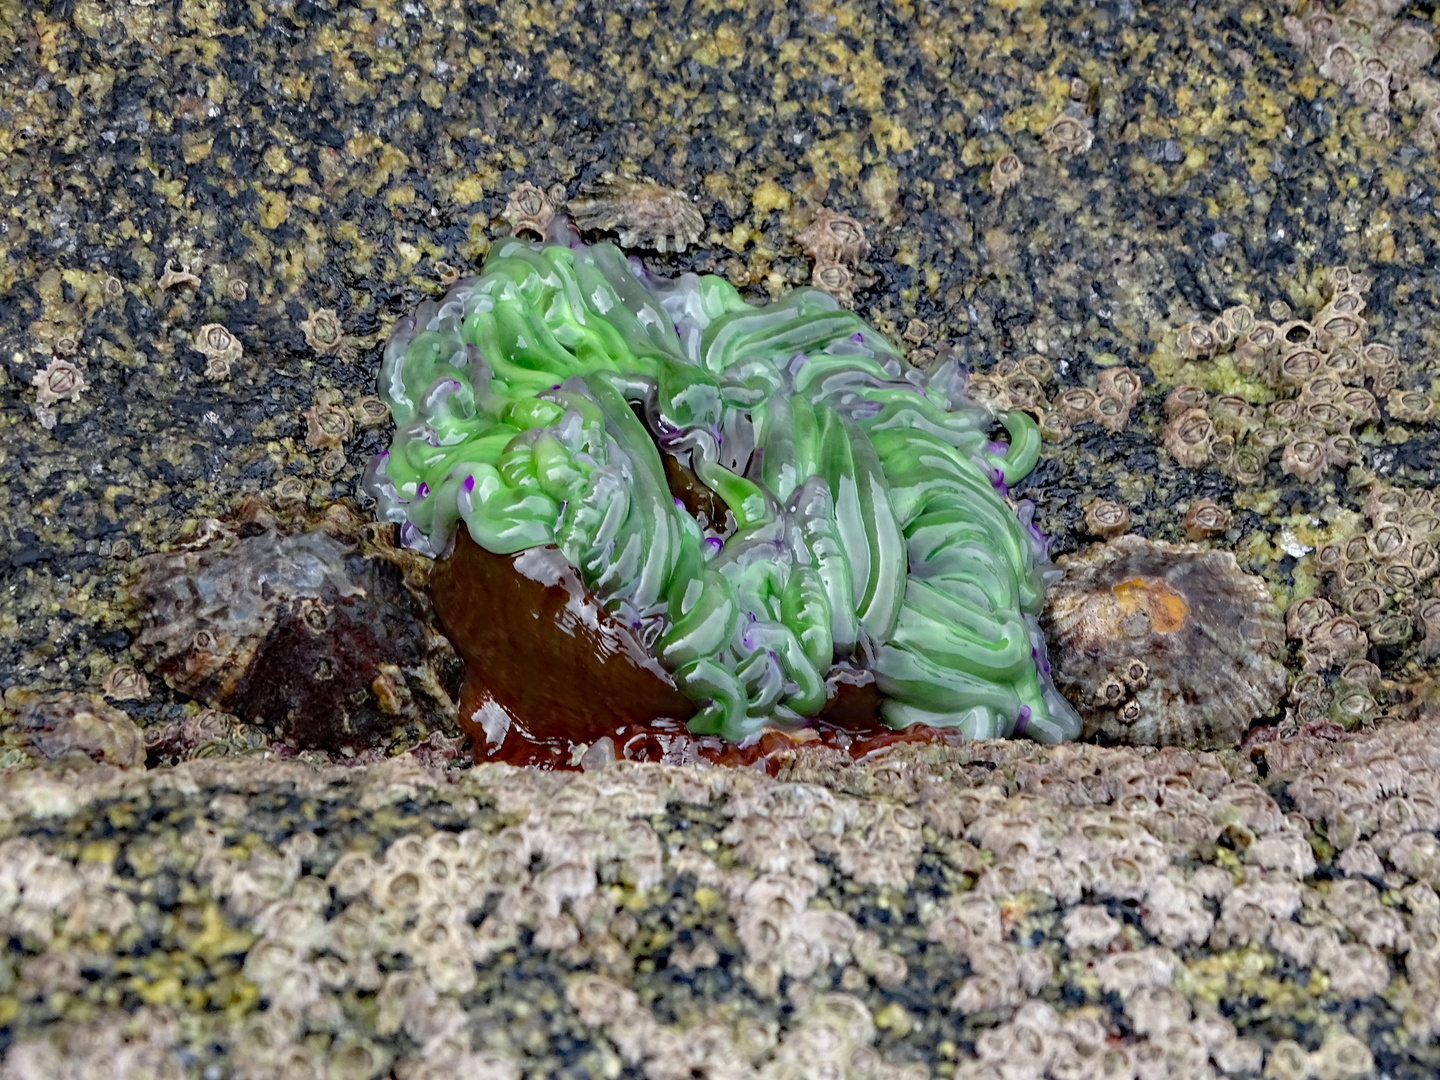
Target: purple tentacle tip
(1022, 720)
(422, 490)
(999, 449)
(469, 484)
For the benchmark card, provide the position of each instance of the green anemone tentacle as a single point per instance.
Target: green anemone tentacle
(864, 503)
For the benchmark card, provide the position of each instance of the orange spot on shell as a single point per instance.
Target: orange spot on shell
(1165, 607)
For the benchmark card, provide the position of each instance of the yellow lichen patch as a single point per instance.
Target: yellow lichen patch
(769, 196)
(469, 189)
(274, 209)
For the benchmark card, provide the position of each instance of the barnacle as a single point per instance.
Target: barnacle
(1204, 519)
(916, 331)
(1055, 427)
(643, 213)
(835, 279)
(591, 424)
(1106, 519)
(528, 210)
(333, 463)
(1410, 406)
(220, 348)
(1005, 173)
(125, 683)
(1077, 403)
(1197, 341)
(1188, 437)
(58, 380)
(370, 410)
(172, 277)
(1067, 135)
(1183, 399)
(327, 426)
(1120, 382)
(1304, 459)
(322, 331)
(834, 238)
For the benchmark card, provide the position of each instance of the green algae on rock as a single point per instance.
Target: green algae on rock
(859, 503)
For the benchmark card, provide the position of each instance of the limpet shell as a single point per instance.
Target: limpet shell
(1209, 634)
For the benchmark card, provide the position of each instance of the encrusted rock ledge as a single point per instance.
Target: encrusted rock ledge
(1070, 912)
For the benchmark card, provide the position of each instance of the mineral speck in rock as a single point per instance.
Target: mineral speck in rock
(1165, 644)
(321, 636)
(70, 727)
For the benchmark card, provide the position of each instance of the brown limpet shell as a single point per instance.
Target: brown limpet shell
(643, 213)
(1209, 635)
(322, 637)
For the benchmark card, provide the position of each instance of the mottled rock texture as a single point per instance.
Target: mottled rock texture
(934, 913)
(210, 213)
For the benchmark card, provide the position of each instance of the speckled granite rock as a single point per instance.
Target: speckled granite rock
(932, 913)
(209, 215)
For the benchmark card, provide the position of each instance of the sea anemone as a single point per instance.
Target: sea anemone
(752, 494)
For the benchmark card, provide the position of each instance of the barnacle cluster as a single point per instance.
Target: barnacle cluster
(755, 492)
(1378, 589)
(1321, 376)
(1366, 48)
(1021, 384)
(1100, 913)
(529, 209)
(220, 348)
(835, 243)
(329, 425)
